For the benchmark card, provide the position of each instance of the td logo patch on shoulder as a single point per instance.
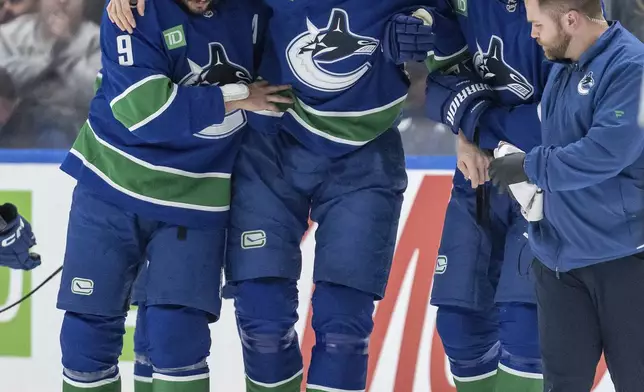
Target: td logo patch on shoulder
(175, 37)
(82, 286)
(441, 265)
(253, 239)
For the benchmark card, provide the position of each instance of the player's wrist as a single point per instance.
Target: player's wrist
(469, 122)
(234, 94)
(232, 106)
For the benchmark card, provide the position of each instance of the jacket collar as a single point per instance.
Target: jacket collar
(600, 45)
(596, 48)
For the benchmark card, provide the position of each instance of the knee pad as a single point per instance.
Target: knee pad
(519, 335)
(179, 339)
(266, 314)
(470, 339)
(91, 346)
(342, 318)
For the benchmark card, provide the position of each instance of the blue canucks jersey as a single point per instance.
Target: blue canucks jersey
(158, 141)
(346, 92)
(511, 62)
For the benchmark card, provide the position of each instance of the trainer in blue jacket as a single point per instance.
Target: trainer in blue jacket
(590, 243)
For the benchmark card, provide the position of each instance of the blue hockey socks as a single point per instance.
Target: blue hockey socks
(266, 314)
(90, 347)
(342, 321)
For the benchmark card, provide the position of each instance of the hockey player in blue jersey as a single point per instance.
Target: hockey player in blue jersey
(153, 164)
(16, 239)
(336, 154)
(487, 317)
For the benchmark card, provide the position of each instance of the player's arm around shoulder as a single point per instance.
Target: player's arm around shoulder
(426, 32)
(209, 104)
(120, 13)
(139, 84)
(137, 80)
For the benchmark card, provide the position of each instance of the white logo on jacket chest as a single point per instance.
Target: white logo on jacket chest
(512, 5)
(586, 84)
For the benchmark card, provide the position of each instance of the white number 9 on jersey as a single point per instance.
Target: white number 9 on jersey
(124, 49)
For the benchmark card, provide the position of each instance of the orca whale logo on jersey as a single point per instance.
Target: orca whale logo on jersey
(496, 72)
(318, 57)
(586, 84)
(511, 6)
(219, 71)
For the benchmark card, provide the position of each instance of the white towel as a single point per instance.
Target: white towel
(529, 196)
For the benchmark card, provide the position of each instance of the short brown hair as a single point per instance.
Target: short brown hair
(590, 8)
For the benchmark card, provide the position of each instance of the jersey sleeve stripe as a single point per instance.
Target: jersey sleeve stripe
(144, 101)
(135, 86)
(145, 182)
(435, 62)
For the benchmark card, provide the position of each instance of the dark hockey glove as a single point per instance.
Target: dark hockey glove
(424, 33)
(457, 98)
(16, 238)
(507, 170)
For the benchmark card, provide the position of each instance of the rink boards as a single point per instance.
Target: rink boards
(406, 354)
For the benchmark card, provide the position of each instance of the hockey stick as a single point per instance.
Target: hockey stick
(50, 277)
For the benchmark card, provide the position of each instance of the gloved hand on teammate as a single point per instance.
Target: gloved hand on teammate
(507, 173)
(16, 238)
(427, 32)
(457, 97)
(508, 170)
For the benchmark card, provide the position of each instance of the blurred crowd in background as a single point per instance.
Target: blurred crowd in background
(50, 55)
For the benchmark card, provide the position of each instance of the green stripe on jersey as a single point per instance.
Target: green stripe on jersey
(144, 101)
(290, 385)
(353, 128)
(154, 184)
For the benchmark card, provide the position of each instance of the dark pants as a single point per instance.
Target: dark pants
(585, 311)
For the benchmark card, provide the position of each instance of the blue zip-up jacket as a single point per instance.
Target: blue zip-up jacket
(590, 165)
